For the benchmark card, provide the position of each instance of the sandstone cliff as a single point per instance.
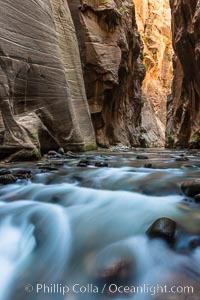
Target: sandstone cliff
(110, 49)
(154, 24)
(183, 120)
(42, 95)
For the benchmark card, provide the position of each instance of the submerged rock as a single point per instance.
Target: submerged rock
(164, 228)
(7, 179)
(183, 158)
(23, 174)
(101, 164)
(191, 188)
(142, 157)
(83, 163)
(121, 271)
(149, 166)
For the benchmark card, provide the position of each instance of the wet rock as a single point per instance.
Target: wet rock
(197, 198)
(194, 243)
(116, 274)
(7, 179)
(44, 164)
(83, 163)
(45, 169)
(24, 155)
(149, 166)
(70, 154)
(54, 154)
(191, 188)
(164, 228)
(101, 164)
(141, 157)
(61, 151)
(183, 158)
(4, 171)
(58, 163)
(23, 174)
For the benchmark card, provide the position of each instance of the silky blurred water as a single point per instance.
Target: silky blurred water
(66, 226)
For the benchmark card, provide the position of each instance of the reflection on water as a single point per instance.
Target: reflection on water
(68, 226)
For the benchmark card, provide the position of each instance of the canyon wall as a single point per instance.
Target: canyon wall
(110, 48)
(183, 119)
(42, 95)
(154, 24)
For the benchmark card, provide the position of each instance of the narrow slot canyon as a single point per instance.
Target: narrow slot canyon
(154, 23)
(124, 86)
(99, 149)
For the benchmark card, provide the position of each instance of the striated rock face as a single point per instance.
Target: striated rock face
(42, 95)
(110, 49)
(183, 119)
(154, 24)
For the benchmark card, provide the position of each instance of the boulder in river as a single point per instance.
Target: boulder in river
(149, 166)
(118, 273)
(164, 228)
(23, 174)
(7, 179)
(54, 154)
(191, 188)
(101, 164)
(83, 163)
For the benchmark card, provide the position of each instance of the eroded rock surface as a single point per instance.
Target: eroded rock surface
(42, 94)
(183, 120)
(110, 49)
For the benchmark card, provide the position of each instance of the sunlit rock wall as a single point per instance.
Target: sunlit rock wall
(154, 24)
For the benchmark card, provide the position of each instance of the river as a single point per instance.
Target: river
(62, 229)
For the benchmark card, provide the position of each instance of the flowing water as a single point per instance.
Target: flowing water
(60, 230)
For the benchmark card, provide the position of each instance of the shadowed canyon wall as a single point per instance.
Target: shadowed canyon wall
(42, 95)
(110, 50)
(183, 119)
(154, 24)
(47, 102)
